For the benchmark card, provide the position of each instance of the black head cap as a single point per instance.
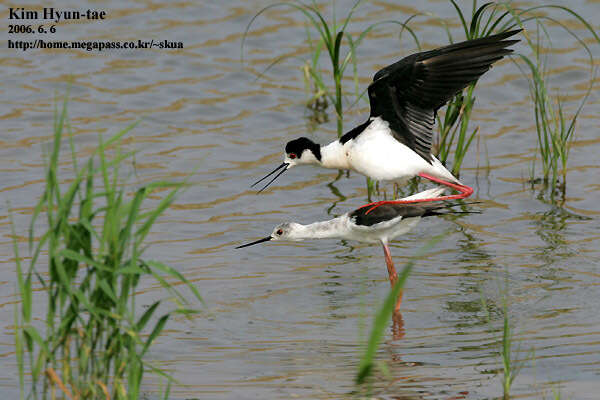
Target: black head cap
(297, 146)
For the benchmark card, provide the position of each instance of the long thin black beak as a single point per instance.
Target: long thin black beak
(283, 165)
(256, 242)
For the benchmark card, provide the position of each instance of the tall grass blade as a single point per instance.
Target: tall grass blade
(385, 312)
(380, 322)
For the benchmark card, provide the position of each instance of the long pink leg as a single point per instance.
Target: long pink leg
(465, 191)
(392, 273)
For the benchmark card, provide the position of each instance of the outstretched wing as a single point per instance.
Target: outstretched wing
(408, 93)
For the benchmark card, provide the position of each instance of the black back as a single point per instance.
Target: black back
(386, 212)
(354, 132)
(408, 93)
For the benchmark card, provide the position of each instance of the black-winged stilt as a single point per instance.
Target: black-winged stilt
(394, 144)
(382, 225)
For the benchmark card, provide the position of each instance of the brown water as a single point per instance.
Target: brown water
(289, 320)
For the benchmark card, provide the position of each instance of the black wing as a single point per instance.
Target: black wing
(386, 212)
(408, 93)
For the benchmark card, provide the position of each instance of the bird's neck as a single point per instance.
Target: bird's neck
(334, 156)
(334, 228)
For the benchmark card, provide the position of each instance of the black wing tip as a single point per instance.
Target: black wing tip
(492, 39)
(506, 34)
(498, 37)
(447, 208)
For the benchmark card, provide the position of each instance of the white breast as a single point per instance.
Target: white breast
(377, 154)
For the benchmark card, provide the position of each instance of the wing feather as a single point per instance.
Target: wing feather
(408, 93)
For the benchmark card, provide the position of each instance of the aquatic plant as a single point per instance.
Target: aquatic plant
(92, 341)
(331, 37)
(384, 314)
(555, 129)
(510, 366)
(380, 323)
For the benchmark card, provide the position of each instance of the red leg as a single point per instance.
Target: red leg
(465, 191)
(392, 273)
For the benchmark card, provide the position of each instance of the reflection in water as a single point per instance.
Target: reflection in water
(468, 307)
(336, 192)
(550, 227)
(316, 113)
(398, 331)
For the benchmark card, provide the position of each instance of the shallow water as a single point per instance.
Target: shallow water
(288, 320)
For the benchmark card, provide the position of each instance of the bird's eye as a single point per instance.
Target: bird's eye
(293, 155)
(279, 232)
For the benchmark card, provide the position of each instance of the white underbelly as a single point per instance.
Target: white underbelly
(381, 157)
(386, 231)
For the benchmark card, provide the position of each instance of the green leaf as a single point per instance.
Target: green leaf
(379, 324)
(155, 332)
(462, 19)
(141, 324)
(107, 290)
(173, 272)
(72, 255)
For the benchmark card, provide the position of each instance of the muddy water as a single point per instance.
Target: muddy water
(288, 320)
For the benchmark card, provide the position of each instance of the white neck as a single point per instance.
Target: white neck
(334, 228)
(334, 156)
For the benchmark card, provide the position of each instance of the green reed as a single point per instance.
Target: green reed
(332, 36)
(510, 366)
(555, 129)
(92, 340)
(380, 323)
(384, 314)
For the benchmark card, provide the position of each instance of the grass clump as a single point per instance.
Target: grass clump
(91, 342)
(555, 129)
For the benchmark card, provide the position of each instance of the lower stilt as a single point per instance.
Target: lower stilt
(393, 275)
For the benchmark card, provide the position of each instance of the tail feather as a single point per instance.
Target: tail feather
(426, 194)
(448, 209)
(441, 171)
